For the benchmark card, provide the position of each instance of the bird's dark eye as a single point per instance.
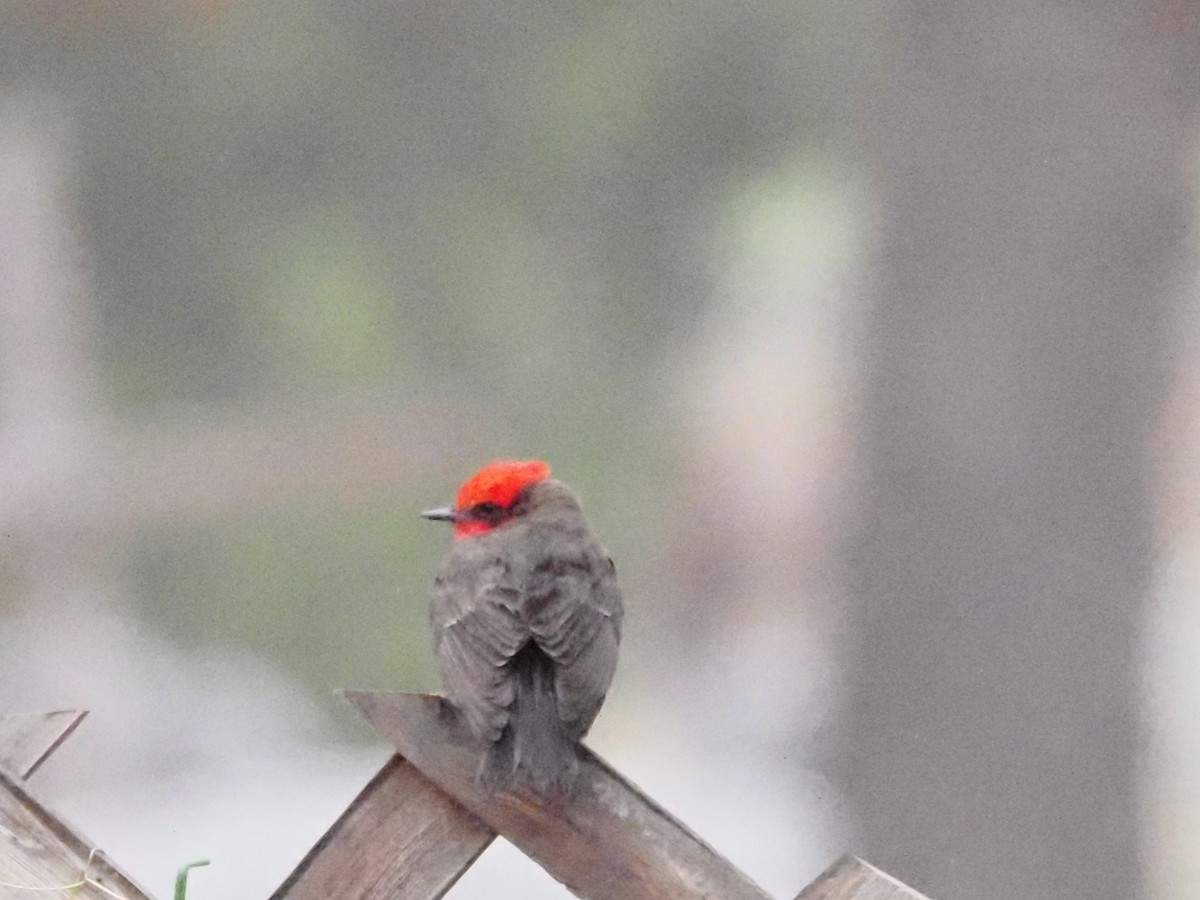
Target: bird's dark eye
(488, 512)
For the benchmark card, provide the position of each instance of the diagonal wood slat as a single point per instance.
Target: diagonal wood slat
(28, 739)
(401, 839)
(38, 851)
(852, 879)
(41, 852)
(607, 842)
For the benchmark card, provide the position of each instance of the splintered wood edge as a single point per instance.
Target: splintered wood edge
(851, 878)
(588, 842)
(28, 739)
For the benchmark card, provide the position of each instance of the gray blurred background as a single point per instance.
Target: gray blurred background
(867, 333)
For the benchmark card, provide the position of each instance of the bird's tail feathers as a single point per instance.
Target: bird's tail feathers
(532, 749)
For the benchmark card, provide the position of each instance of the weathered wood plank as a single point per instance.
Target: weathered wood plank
(38, 851)
(607, 842)
(402, 838)
(852, 879)
(28, 739)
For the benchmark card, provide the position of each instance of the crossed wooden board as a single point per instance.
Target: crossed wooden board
(419, 824)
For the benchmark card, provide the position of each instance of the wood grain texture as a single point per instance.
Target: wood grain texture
(39, 851)
(402, 839)
(852, 879)
(608, 841)
(28, 739)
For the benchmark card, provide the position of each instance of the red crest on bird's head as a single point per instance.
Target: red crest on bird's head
(486, 500)
(499, 482)
(497, 485)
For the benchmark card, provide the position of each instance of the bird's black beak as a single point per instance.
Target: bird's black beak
(441, 514)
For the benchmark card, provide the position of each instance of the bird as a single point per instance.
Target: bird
(526, 618)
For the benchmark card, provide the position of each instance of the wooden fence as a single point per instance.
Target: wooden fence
(38, 851)
(418, 825)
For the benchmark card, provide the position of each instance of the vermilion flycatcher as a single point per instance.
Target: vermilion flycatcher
(526, 619)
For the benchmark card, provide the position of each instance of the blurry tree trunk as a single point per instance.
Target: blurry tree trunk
(1037, 209)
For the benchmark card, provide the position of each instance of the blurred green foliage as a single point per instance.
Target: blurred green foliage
(325, 312)
(342, 596)
(504, 207)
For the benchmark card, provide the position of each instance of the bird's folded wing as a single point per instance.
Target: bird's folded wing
(473, 643)
(580, 629)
